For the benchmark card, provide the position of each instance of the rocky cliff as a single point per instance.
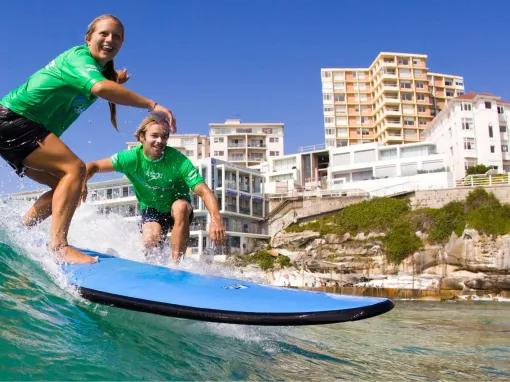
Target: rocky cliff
(470, 262)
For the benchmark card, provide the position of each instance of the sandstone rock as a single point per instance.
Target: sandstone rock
(293, 239)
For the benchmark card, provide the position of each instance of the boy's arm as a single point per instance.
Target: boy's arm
(216, 229)
(100, 165)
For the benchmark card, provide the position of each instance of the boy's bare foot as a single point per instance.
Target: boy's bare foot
(70, 255)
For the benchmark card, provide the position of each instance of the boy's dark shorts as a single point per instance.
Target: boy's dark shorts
(19, 137)
(165, 220)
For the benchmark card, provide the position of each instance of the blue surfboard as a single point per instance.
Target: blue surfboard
(161, 290)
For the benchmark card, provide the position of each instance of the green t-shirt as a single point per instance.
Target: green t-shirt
(58, 93)
(158, 183)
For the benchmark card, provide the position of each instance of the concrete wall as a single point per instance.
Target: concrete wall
(438, 198)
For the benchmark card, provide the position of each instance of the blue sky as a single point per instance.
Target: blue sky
(255, 60)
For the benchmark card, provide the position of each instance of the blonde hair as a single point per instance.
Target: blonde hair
(109, 70)
(142, 128)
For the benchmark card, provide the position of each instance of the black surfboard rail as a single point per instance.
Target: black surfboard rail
(234, 317)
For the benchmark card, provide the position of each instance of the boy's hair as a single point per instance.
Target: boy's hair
(142, 128)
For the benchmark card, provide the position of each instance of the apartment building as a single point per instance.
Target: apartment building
(194, 146)
(245, 144)
(375, 168)
(390, 102)
(473, 129)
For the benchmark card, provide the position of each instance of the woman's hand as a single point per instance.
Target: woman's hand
(162, 113)
(122, 76)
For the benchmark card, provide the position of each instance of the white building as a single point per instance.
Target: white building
(378, 169)
(246, 144)
(194, 146)
(471, 130)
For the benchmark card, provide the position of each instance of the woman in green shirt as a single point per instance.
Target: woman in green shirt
(34, 115)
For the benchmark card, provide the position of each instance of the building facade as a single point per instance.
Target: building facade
(471, 130)
(390, 102)
(245, 144)
(380, 170)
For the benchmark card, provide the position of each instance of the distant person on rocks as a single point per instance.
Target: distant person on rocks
(162, 179)
(34, 115)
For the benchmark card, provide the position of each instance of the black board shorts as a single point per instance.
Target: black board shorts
(19, 137)
(165, 220)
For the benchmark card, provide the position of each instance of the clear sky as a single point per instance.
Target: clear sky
(256, 60)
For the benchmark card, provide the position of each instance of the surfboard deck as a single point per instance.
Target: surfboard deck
(156, 289)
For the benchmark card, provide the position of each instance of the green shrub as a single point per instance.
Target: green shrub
(450, 218)
(283, 261)
(478, 169)
(400, 242)
(370, 215)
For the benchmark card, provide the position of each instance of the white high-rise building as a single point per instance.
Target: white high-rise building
(245, 144)
(472, 130)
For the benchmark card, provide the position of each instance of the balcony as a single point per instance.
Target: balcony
(238, 144)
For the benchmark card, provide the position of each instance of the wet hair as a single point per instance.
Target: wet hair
(142, 128)
(109, 70)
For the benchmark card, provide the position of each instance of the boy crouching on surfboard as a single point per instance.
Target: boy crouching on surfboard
(162, 178)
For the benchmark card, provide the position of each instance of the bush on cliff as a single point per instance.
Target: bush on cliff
(266, 261)
(485, 213)
(400, 242)
(370, 215)
(450, 218)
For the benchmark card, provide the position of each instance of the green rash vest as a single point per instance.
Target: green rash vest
(58, 93)
(160, 182)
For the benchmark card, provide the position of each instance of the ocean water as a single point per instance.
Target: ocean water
(48, 332)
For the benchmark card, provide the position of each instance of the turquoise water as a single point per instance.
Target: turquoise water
(48, 332)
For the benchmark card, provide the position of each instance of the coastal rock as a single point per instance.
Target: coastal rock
(293, 239)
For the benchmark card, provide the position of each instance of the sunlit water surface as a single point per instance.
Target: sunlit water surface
(48, 332)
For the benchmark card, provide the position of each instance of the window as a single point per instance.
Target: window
(450, 93)
(501, 110)
(326, 96)
(407, 96)
(218, 140)
(328, 120)
(339, 97)
(504, 148)
(326, 74)
(422, 121)
(491, 132)
(219, 153)
(466, 106)
(421, 109)
(459, 83)
(403, 61)
(274, 153)
(420, 96)
(419, 85)
(273, 139)
(467, 123)
(328, 109)
(340, 109)
(502, 128)
(408, 121)
(405, 84)
(448, 82)
(488, 105)
(492, 149)
(469, 144)
(416, 61)
(339, 86)
(330, 131)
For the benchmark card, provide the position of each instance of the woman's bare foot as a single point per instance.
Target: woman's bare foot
(70, 255)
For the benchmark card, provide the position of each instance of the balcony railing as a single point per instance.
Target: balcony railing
(483, 180)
